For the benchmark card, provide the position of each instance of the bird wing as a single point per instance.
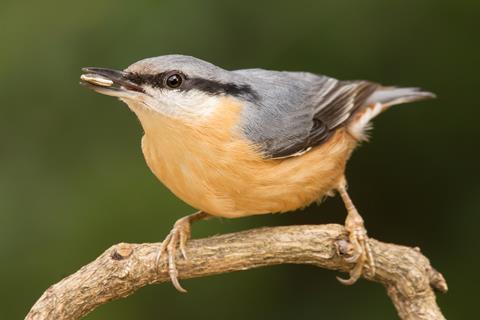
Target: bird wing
(331, 111)
(298, 111)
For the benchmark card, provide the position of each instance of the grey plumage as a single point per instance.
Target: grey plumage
(298, 110)
(285, 113)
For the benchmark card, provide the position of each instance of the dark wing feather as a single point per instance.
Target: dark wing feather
(295, 111)
(331, 110)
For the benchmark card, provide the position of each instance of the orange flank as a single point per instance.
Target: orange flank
(211, 167)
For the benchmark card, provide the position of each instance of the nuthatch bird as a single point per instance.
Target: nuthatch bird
(247, 142)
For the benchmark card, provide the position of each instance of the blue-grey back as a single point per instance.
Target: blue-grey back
(293, 111)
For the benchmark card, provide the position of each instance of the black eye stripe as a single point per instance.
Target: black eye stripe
(215, 87)
(205, 85)
(154, 80)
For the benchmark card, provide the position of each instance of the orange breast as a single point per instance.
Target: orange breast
(213, 168)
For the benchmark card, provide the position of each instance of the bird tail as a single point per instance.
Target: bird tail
(380, 100)
(389, 96)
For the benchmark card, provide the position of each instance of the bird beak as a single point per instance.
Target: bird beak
(110, 82)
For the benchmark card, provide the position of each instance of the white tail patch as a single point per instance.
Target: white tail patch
(360, 126)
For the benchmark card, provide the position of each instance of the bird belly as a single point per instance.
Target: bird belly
(215, 169)
(234, 186)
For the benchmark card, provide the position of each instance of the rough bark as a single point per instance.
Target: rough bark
(124, 268)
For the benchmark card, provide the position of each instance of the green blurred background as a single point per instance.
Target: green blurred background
(73, 180)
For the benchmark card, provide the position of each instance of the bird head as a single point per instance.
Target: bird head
(172, 85)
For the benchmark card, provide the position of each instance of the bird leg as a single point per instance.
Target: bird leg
(361, 254)
(177, 239)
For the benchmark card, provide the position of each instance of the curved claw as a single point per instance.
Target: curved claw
(176, 239)
(163, 248)
(361, 255)
(172, 267)
(353, 258)
(360, 252)
(355, 273)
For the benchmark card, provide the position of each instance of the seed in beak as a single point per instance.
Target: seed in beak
(96, 79)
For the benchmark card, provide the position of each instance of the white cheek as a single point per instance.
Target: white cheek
(192, 104)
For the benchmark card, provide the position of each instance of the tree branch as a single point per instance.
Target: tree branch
(124, 268)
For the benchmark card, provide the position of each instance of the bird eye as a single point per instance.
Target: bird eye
(174, 81)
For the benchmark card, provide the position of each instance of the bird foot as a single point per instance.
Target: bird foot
(176, 239)
(358, 252)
